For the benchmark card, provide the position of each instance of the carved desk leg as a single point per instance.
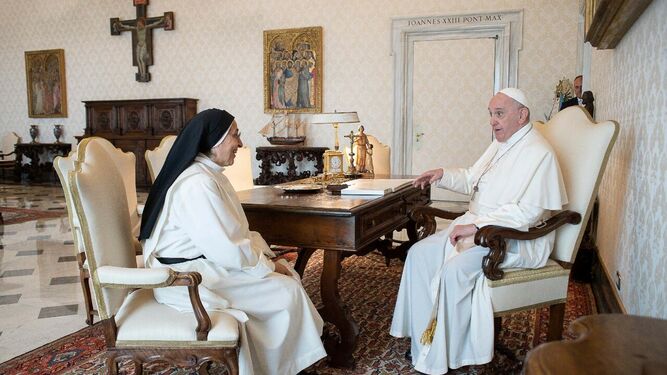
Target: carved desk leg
(302, 260)
(335, 312)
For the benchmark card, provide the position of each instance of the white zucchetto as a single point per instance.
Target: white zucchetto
(516, 94)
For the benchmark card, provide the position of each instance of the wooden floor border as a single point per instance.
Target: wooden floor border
(606, 298)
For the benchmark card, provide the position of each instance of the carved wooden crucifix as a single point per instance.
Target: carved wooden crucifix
(142, 36)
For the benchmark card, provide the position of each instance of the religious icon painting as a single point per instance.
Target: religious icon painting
(293, 70)
(45, 81)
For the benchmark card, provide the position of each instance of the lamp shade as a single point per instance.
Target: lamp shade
(334, 118)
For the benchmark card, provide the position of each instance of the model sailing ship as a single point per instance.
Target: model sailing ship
(282, 130)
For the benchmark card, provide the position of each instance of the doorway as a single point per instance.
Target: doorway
(446, 68)
(452, 81)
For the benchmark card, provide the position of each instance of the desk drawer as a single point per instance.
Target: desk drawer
(391, 215)
(382, 219)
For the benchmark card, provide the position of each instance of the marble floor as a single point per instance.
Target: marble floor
(40, 294)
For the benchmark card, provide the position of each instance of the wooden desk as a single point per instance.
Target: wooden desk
(40, 167)
(342, 226)
(605, 344)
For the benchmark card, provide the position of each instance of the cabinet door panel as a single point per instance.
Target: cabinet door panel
(167, 118)
(134, 119)
(102, 120)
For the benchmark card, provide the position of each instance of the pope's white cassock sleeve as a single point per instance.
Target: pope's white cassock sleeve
(280, 328)
(519, 184)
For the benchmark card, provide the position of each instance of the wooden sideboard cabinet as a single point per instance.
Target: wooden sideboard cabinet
(137, 125)
(275, 156)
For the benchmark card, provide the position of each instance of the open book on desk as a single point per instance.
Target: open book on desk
(374, 186)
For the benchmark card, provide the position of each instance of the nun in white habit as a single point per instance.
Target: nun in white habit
(193, 221)
(443, 301)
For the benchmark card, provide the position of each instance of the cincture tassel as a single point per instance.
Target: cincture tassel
(427, 336)
(429, 332)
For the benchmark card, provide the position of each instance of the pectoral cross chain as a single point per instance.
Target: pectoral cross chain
(475, 189)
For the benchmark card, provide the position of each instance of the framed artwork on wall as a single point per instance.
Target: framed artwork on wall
(45, 80)
(293, 70)
(607, 21)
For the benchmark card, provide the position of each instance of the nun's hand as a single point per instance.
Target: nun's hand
(281, 269)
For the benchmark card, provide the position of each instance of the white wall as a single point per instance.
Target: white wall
(215, 54)
(630, 86)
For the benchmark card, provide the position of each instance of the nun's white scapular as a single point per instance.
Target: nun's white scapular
(193, 221)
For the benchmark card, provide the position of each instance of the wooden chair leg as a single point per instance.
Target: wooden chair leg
(84, 279)
(138, 367)
(87, 300)
(112, 365)
(556, 318)
(232, 362)
(203, 368)
(497, 326)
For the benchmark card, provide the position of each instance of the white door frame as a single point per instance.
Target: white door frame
(506, 27)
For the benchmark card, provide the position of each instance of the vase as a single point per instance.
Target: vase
(34, 132)
(57, 132)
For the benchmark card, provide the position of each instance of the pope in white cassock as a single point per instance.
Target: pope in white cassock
(193, 221)
(516, 183)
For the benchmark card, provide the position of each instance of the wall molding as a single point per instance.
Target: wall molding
(505, 26)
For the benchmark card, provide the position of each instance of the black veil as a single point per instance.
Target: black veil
(200, 135)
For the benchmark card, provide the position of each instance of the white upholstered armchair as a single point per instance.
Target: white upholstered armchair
(582, 148)
(124, 164)
(136, 326)
(155, 158)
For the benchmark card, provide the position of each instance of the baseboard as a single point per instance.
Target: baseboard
(607, 300)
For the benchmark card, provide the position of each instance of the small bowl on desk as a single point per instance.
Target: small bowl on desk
(336, 188)
(292, 188)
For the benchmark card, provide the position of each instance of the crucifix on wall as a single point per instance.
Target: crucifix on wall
(142, 36)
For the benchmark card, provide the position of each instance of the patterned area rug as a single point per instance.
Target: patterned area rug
(12, 215)
(371, 302)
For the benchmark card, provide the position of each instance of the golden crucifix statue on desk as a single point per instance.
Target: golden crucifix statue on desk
(362, 157)
(351, 169)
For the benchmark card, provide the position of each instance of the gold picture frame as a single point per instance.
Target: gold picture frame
(293, 76)
(607, 21)
(589, 12)
(46, 85)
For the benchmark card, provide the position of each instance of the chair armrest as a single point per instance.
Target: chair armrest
(495, 238)
(122, 277)
(148, 278)
(424, 218)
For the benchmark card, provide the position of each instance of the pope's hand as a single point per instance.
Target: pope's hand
(462, 231)
(281, 269)
(428, 177)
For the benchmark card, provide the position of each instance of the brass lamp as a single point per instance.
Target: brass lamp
(333, 159)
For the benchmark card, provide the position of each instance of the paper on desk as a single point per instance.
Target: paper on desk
(374, 186)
